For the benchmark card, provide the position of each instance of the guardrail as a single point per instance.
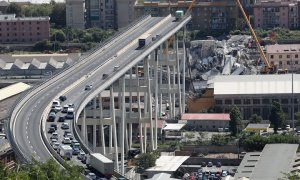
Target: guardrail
(26, 95)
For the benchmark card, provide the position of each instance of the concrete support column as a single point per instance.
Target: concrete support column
(94, 107)
(101, 129)
(183, 73)
(150, 105)
(160, 82)
(83, 127)
(174, 95)
(169, 80)
(94, 137)
(113, 116)
(145, 137)
(110, 139)
(156, 98)
(130, 135)
(139, 110)
(178, 75)
(122, 132)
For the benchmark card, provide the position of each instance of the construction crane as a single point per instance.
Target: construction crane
(268, 68)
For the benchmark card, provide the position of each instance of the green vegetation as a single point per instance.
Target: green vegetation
(235, 123)
(42, 171)
(146, 160)
(257, 142)
(277, 117)
(221, 140)
(255, 119)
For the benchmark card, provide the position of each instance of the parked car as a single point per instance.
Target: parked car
(62, 98)
(54, 126)
(81, 155)
(219, 164)
(91, 176)
(51, 116)
(65, 126)
(73, 142)
(69, 135)
(56, 102)
(65, 109)
(76, 151)
(224, 173)
(51, 130)
(209, 164)
(67, 140)
(53, 141)
(56, 146)
(54, 136)
(57, 108)
(203, 164)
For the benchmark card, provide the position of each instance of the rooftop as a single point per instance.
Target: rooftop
(264, 165)
(283, 48)
(174, 127)
(168, 163)
(258, 126)
(12, 90)
(162, 176)
(206, 116)
(255, 84)
(12, 17)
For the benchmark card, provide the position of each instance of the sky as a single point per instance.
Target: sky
(34, 1)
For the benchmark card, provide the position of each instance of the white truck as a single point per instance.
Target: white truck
(66, 151)
(144, 40)
(101, 163)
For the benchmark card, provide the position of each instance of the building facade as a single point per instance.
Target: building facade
(214, 15)
(276, 13)
(124, 12)
(284, 56)
(255, 94)
(23, 30)
(75, 14)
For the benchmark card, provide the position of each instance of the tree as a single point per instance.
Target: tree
(277, 117)
(235, 123)
(297, 117)
(219, 140)
(146, 160)
(255, 119)
(14, 8)
(42, 46)
(58, 15)
(58, 35)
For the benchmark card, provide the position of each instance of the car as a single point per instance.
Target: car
(62, 98)
(91, 176)
(56, 146)
(104, 76)
(66, 132)
(66, 140)
(65, 109)
(51, 130)
(56, 102)
(73, 142)
(51, 117)
(54, 126)
(288, 127)
(76, 151)
(69, 135)
(76, 145)
(224, 173)
(61, 119)
(203, 164)
(54, 136)
(71, 105)
(57, 108)
(81, 155)
(298, 133)
(209, 164)
(207, 172)
(219, 164)
(116, 68)
(88, 87)
(53, 141)
(65, 126)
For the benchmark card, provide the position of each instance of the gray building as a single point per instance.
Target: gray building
(270, 164)
(254, 94)
(75, 14)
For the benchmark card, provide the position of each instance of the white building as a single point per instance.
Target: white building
(75, 13)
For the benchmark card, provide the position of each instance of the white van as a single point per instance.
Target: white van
(56, 102)
(70, 113)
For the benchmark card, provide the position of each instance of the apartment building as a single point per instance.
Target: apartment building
(255, 94)
(284, 56)
(206, 15)
(75, 12)
(276, 13)
(124, 12)
(23, 29)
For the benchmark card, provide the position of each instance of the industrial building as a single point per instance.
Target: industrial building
(208, 16)
(254, 94)
(271, 163)
(23, 29)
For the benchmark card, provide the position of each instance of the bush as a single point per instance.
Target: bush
(42, 46)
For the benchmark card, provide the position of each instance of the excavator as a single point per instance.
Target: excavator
(268, 68)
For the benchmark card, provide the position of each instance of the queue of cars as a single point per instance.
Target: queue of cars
(68, 146)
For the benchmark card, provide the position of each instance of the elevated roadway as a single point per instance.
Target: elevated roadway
(25, 131)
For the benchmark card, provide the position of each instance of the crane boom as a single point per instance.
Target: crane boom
(254, 35)
(190, 6)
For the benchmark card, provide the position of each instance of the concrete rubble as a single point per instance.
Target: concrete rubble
(234, 56)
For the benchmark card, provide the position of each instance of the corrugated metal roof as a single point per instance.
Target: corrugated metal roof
(168, 163)
(205, 116)
(257, 126)
(13, 90)
(175, 127)
(256, 84)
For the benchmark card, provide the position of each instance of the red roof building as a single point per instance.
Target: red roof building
(206, 121)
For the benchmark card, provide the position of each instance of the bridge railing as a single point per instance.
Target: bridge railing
(24, 96)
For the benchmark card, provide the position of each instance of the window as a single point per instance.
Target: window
(228, 101)
(256, 101)
(288, 62)
(296, 62)
(272, 56)
(246, 101)
(296, 55)
(284, 101)
(287, 56)
(256, 111)
(280, 56)
(218, 101)
(280, 62)
(266, 101)
(237, 101)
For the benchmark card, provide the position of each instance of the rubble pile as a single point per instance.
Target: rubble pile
(228, 57)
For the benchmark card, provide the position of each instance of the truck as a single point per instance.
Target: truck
(144, 40)
(178, 14)
(66, 151)
(101, 163)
